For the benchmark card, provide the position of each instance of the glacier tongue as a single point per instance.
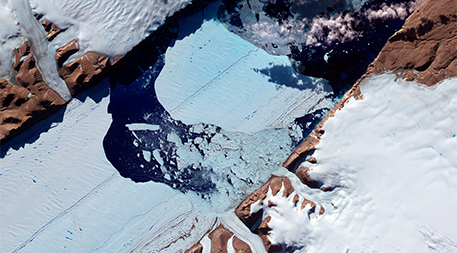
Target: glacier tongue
(36, 36)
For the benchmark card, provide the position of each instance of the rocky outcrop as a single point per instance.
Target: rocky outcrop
(219, 241)
(302, 174)
(84, 72)
(49, 27)
(275, 184)
(28, 99)
(425, 49)
(309, 143)
(243, 211)
(197, 248)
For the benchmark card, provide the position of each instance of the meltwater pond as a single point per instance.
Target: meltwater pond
(215, 157)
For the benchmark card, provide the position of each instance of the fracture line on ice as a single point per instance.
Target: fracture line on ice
(63, 213)
(212, 80)
(36, 36)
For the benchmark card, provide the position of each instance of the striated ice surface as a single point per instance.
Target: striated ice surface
(215, 77)
(392, 159)
(60, 193)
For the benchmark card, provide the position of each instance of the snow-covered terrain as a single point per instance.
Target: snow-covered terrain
(9, 38)
(392, 159)
(60, 193)
(108, 27)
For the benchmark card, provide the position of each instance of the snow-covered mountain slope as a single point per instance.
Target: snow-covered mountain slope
(388, 163)
(60, 193)
(391, 158)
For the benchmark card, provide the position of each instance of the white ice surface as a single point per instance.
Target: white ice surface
(60, 193)
(392, 158)
(142, 127)
(10, 38)
(105, 26)
(215, 77)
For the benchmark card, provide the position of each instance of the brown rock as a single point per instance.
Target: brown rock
(19, 53)
(219, 238)
(302, 174)
(312, 160)
(49, 27)
(263, 231)
(27, 101)
(197, 248)
(244, 208)
(300, 152)
(327, 189)
(309, 143)
(83, 72)
(426, 44)
(240, 246)
(306, 202)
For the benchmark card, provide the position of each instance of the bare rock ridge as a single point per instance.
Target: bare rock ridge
(425, 49)
(26, 101)
(219, 242)
(255, 221)
(29, 99)
(83, 72)
(249, 218)
(49, 27)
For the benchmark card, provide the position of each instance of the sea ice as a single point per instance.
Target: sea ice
(213, 76)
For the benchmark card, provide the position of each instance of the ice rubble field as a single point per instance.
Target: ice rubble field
(211, 76)
(392, 158)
